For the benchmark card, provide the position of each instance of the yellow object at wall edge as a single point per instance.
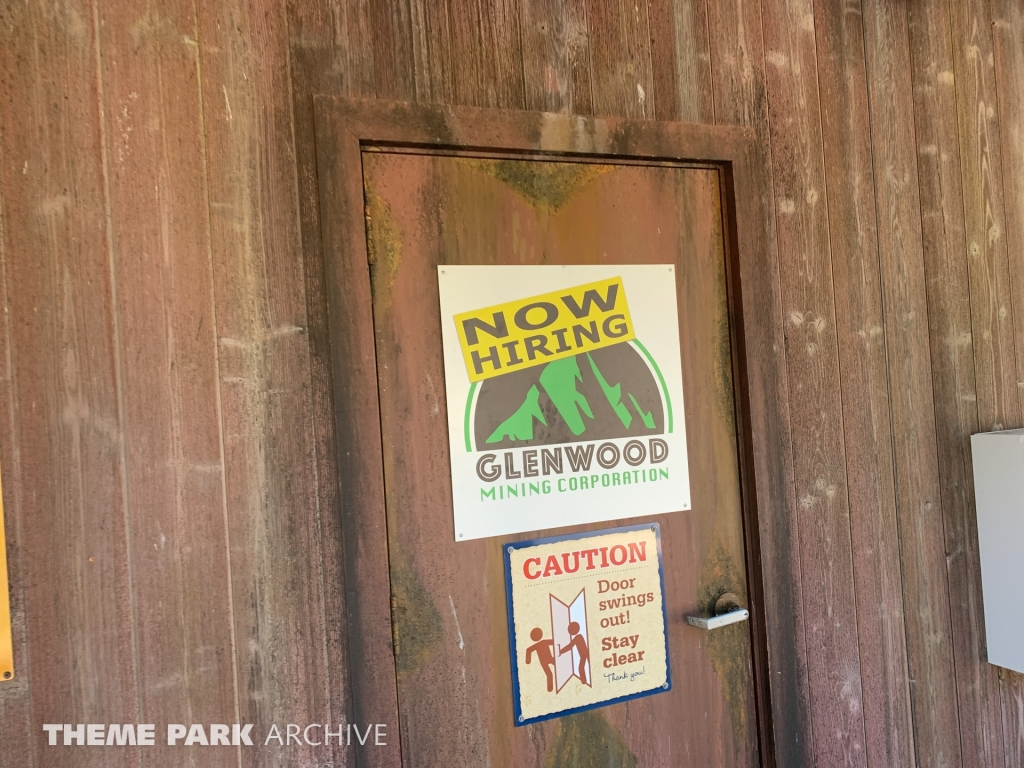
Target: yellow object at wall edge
(6, 647)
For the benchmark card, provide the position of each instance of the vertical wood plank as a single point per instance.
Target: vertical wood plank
(1008, 59)
(919, 502)
(391, 40)
(320, 37)
(16, 695)
(1012, 701)
(816, 408)
(1008, 62)
(354, 60)
(621, 56)
(288, 660)
(740, 98)
(487, 53)
(681, 60)
(364, 38)
(981, 167)
(372, 680)
(995, 352)
(968, 349)
(556, 56)
(860, 321)
(433, 64)
(167, 337)
(661, 19)
(68, 474)
(738, 73)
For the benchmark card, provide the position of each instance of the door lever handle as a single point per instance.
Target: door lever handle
(727, 611)
(714, 622)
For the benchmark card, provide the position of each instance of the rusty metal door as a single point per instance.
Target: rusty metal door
(450, 630)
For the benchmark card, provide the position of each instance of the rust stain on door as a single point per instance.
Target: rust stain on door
(727, 647)
(587, 740)
(415, 621)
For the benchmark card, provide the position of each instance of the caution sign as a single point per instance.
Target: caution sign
(587, 623)
(564, 394)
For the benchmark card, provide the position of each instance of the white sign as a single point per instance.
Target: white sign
(564, 391)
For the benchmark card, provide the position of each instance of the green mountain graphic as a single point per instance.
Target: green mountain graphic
(519, 426)
(560, 381)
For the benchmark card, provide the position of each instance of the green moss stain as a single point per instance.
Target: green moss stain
(383, 242)
(724, 393)
(542, 185)
(587, 740)
(415, 622)
(728, 647)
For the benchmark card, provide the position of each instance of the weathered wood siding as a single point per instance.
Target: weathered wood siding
(166, 435)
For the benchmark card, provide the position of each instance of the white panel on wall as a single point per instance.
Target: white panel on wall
(999, 491)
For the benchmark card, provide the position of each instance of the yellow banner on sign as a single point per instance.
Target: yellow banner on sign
(6, 646)
(540, 329)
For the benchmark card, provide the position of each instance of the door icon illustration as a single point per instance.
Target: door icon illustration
(569, 630)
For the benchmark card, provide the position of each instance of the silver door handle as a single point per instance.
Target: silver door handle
(714, 622)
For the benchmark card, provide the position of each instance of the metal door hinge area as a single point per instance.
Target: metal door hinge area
(727, 611)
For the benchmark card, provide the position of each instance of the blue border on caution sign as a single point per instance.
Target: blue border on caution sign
(507, 550)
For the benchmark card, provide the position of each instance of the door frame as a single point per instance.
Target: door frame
(344, 128)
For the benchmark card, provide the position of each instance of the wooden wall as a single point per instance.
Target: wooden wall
(165, 431)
